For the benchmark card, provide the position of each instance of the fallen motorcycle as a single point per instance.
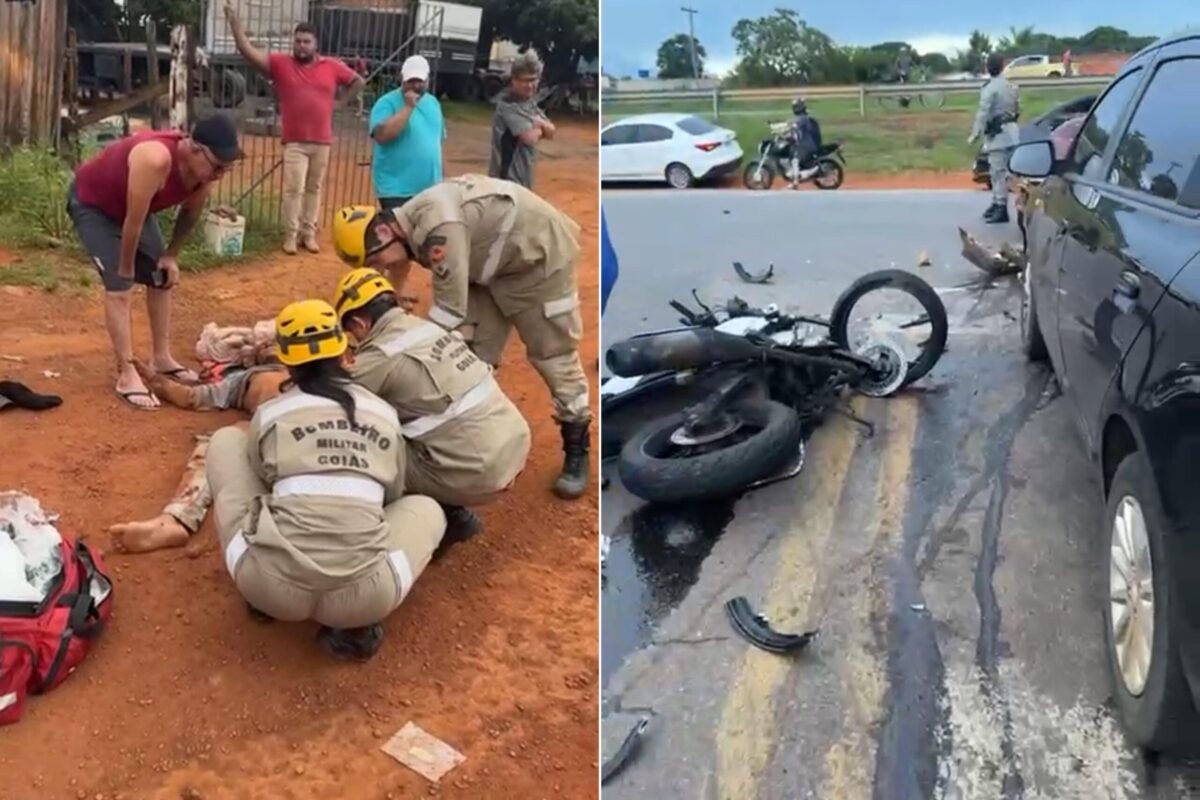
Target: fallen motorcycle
(757, 381)
(774, 157)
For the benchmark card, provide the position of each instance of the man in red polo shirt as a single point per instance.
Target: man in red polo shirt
(307, 87)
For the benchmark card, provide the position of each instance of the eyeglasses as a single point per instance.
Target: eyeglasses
(218, 167)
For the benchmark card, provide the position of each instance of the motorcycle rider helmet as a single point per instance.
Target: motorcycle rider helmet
(799, 106)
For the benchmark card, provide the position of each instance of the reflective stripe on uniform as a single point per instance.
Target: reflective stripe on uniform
(403, 570)
(562, 305)
(347, 486)
(497, 249)
(401, 342)
(234, 551)
(447, 319)
(271, 410)
(423, 425)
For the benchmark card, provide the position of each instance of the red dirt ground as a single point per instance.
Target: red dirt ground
(495, 651)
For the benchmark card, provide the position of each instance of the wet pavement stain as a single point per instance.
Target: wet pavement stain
(654, 558)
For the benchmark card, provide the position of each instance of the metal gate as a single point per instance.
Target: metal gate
(379, 34)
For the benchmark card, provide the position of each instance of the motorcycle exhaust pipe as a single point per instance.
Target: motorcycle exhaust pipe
(677, 350)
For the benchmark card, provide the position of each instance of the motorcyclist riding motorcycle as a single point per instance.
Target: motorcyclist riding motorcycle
(806, 141)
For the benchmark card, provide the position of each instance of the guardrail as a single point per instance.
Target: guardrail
(861, 91)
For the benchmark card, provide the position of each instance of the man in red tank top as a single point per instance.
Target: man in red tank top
(306, 85)
(112, 203)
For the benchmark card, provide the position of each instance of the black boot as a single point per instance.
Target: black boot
(461, 524)
(573, 480)
(997, 213)
(258, 616)
(354, 644)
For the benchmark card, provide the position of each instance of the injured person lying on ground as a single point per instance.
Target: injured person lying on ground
(310, 510)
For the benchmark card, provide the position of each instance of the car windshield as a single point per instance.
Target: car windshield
(696, 126)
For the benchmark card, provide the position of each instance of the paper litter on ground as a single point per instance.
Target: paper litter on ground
(30, 548)
(422, 753)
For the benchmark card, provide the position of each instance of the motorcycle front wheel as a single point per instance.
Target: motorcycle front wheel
(752, 179)
(761, 437)
(829, 174)
(933, 315)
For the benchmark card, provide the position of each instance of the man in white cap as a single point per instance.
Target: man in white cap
(408, 129)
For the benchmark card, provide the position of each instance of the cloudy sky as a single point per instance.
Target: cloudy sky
(632, 30)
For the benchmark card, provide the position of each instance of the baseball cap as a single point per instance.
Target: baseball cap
(414, 67)
(219, 134)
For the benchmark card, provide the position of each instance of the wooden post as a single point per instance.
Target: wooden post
(152, 71)
(71, 89)
(127, 82)
(862, 100)
(180, 90)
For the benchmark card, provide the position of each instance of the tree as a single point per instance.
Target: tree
(675, 57)
(782, 49)
(979, 43)
(562, 31)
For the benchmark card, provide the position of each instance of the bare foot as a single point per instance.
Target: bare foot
(160, 533)
(131, 389)
(173, 392)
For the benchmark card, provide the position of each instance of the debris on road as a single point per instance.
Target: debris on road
(755, 629)
(49, 373)
(422, 753)
(13, 359)
(625, 752)
(923, 259)
(1007, 261)
(762, 277)
(918, 607)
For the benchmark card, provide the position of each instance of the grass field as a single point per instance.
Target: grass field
(883, 141)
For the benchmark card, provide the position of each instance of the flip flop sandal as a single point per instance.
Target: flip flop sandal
(126, 395)
(173, 374)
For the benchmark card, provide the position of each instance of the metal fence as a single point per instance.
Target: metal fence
(878, 92)
(380, 33)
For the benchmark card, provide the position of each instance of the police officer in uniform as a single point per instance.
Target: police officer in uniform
(501, 257)
(309, 500)
(996, 121)
(466, 441)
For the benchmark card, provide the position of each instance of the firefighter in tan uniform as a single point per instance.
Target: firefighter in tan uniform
(501, 257)
(466, 441)
(309, 500)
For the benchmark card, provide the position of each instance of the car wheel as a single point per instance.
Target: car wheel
(1140, 635)
(680, 177)
(1032, 341)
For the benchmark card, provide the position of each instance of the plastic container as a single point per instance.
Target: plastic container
(223, 235)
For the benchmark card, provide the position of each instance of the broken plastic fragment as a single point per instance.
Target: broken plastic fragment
(754, 628)
(761, 277)
(620, 758)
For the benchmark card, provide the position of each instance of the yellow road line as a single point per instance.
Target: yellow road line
(849, 762)
(746, 733)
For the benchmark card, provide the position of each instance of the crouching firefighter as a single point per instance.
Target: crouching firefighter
(308, 500)
(996, 120)
(501, 257)
(465, 439)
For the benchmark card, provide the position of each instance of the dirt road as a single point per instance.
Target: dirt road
(495, 651)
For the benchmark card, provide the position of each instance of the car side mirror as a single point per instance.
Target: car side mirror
(1032, 159)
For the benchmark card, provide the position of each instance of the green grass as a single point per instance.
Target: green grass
(33, 217)
(882, 141)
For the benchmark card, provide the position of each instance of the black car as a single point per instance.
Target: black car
(1112, 299)
(1039, 128)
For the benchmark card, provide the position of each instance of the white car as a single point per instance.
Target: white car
(678, 148)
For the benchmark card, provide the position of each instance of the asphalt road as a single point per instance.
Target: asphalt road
(950, 561)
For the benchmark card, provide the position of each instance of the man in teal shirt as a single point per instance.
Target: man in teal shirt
(408, 128)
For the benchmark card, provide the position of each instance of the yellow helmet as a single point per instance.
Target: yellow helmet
(350, 226)
(308, 331)
(359, 287)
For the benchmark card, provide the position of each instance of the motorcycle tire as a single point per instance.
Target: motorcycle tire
(712, 475)
(767, 180)
(910, 284)
(829, 167)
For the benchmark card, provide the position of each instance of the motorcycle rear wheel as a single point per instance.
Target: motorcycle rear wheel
(654, 469)
(830, 175)
(896, 279)
(751, 181)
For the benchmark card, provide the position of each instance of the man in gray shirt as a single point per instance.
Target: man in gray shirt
(518, 123)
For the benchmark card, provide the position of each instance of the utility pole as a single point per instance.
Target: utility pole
(691, 12)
